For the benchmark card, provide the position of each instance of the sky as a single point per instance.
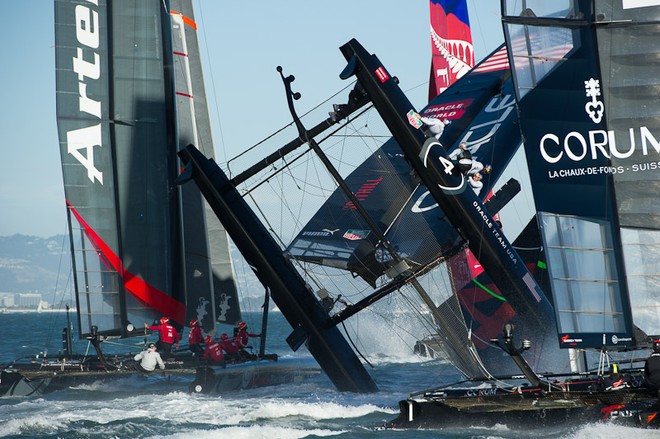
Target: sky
(242, 43)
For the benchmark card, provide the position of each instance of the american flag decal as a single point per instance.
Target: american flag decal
(498, 61)
(354, 235)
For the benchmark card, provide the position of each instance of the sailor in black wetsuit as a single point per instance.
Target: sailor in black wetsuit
(652, 367)
(463, 158)
(649, 416)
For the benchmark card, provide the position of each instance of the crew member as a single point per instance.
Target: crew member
(463, 158)
(149, 359)
(242, 338)
(435, 126)
(167, 336)
(475, 182)
(651, 416)
(466, 163)
(652, 367)
(229, 346)
(213, 351)
(195, 338)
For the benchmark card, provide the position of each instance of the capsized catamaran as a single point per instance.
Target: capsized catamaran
(130, 93)
(421, 233)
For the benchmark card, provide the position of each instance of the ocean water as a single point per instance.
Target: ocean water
(133, 409)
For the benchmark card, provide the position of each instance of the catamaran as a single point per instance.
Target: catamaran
(130, 94)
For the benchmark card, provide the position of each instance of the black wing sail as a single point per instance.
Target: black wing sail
(593, 156)
(125, 101)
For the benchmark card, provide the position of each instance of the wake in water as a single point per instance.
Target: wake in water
(312, 411)
(134, 408)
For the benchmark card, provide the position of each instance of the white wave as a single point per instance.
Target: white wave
(252, 432)
(181, 408)
(23, 426)
(238, 411)
(608, 431)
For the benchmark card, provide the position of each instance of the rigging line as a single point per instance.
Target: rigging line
(279, 170)
(287, 125)
(275, 172)
(350, 339)
(427, 322)
(281, 242)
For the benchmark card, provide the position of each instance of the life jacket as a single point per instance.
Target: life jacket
(229, 346)
(652, 369)
(166, 333)
(214, 352)
(195, 335)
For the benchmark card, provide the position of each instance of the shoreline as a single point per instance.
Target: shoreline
(32, 310)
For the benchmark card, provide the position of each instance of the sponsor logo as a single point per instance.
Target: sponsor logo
(87, 65)
(566, 339)
(616, 339)
(598, 144)
(576, 147)
(381, 74)
(594, 107)
(481, 392)
(363, 193)
(322, 233)
(414, 119)
(450, 110)
(354, 235)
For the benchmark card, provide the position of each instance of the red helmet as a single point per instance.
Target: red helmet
(224, 336)
(208, 339)
(193, 322)
(242, 325)
(164, 320)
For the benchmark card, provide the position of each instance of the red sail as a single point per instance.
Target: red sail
(451, 44)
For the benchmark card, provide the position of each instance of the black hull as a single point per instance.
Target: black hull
(530, 408)
(216, 379)
(185, 372)
(35, 377)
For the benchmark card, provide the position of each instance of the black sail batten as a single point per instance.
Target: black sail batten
(288, 290)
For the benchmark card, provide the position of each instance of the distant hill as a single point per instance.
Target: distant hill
(43, 265)
(34, 264)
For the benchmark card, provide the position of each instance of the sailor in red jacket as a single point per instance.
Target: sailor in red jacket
(195, 337)
(213, 351)
(242, 335)
(167, 336)
(242, 338)
(229, 346)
